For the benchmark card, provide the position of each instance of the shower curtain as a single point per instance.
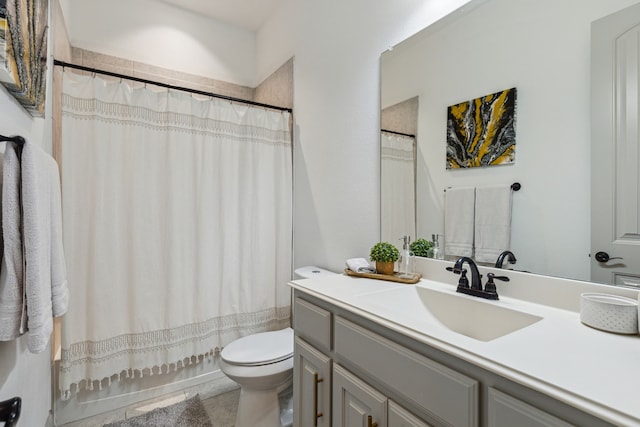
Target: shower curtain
(177, 220)
(397, 188)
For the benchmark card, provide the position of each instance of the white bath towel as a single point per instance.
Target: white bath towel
(493, 222)
(45, 271)
(458, 221)
(360, 265)
(12, 304)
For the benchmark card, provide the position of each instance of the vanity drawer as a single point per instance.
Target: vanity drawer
(313, 324)
(448, 396)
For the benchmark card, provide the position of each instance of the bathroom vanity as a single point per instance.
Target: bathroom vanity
(376, 353)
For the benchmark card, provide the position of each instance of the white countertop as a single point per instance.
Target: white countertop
(594, 371)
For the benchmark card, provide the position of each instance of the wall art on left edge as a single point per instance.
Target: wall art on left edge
(481, 132)
(23, 51)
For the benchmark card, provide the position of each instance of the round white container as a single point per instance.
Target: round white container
(609, 313)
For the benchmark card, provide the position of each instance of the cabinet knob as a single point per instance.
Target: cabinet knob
(370, 422)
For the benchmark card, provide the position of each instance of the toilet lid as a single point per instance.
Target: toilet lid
(260, 349)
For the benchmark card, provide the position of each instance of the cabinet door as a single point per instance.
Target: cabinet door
(355, 403)
(400, 417)
(445, 394)
(505, 411)
(311, 386)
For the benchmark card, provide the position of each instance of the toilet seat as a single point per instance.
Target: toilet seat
(260, 349)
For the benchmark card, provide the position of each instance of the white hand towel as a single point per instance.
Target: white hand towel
(12, 304)
(458, 221)
(360, 265)
(493, 222)
(45, 272)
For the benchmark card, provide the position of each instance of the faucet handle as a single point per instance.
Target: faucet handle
(491, 286)
(463, 282)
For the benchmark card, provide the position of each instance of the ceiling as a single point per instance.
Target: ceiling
(247, 14)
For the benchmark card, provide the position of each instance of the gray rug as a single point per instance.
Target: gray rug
(188, 413)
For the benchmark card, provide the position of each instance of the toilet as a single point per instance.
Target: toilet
(262, 364)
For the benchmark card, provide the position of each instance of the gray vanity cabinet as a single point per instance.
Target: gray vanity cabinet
(446, 396)
(505, 410)
(328, 394)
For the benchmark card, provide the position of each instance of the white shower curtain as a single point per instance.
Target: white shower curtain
(177, 227)
(397, 188)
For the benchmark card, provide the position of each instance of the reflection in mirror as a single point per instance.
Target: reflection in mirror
(398, 165)
(542, 48)
(398, 190)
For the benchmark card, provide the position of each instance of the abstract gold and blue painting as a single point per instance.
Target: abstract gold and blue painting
(481, 132)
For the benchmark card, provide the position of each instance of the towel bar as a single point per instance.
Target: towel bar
(516, 186)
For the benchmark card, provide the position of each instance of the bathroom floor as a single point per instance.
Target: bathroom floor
(221, 410)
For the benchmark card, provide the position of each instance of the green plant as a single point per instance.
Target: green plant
(384, 252)
(421, 247)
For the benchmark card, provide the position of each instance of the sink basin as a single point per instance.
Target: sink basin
(470, 316)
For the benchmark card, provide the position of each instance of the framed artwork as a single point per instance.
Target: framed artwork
(482, 132)
(23, 51)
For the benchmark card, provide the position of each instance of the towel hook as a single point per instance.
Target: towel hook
(16, 138)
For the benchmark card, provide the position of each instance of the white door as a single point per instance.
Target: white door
(615, 148)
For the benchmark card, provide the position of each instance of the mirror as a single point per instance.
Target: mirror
(542, 48)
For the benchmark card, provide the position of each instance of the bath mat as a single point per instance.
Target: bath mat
(188, 413)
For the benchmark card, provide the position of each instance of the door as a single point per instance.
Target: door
(311, 386)
(615, 148)
(355, 403)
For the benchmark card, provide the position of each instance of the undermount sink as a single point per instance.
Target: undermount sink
(470, 316)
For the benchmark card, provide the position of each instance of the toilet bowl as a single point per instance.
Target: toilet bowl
(262, 364)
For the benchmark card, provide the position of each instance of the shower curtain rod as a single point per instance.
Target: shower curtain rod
(398, 133)
(165, 85)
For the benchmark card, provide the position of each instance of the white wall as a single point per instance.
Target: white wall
(499, 45)
(160, 34)
(21, 373)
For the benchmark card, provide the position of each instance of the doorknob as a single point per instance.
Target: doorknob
(604, 257)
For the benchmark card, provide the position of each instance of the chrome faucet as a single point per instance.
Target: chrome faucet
(511, 258)
(475, 289)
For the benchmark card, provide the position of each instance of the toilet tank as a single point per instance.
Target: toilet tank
(310, 272)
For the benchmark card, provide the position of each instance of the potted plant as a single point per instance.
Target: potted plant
(385, 255)
(421, 247)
